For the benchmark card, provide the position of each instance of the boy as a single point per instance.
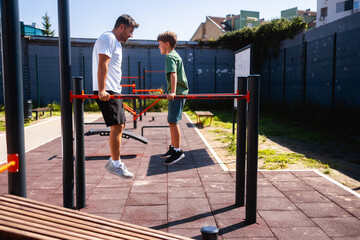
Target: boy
(177, 85)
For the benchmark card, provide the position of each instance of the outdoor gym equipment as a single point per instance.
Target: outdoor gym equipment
(244, 99)
(13, 94)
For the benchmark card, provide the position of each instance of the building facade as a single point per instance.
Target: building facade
(308, 16)
(329, 11)
(214, 27)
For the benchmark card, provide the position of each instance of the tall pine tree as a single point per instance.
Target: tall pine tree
(47, 26)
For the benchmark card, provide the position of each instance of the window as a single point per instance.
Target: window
(324, 12)
(344, 6)
(356, 5)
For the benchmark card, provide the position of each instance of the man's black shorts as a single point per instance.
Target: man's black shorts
(112, 110)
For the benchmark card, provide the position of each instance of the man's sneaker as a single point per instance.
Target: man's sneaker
(120, 171)
(107, 164)
(175, 157)
(168, 153)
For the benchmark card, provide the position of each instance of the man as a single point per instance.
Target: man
(106, 64)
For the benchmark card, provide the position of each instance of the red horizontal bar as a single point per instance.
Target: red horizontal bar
(154, 71)
(163, 96)
(131, 77)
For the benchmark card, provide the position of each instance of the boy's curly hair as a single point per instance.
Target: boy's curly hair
(169, 37)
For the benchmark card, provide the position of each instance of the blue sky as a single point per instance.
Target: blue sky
(90, 18)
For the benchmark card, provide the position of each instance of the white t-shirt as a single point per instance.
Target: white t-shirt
(108, 44)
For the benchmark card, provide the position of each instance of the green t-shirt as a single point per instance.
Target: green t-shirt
(174, 63)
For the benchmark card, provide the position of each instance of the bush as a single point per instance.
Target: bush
(55, 106)
(91, 106)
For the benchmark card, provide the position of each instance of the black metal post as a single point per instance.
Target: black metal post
(79, 144)
(284, 78)
(13, 93)
(144, 71)
(209, 233)
(252, 149)
(66, 111)
(333, 82)
(139, 75)
(304, 72)
(241, 144)
(215, 75)
(134, 108)
(129, 74)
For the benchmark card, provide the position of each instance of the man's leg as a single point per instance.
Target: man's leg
(115, 140)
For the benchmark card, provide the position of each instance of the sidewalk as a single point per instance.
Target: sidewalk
(195, 192)
(39, 133)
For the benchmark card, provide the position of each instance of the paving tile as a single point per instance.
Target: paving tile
(300, 233)
(144, 213)
(351, 202)
(146, 199)
(216, 177)
(186, 192)
(221, 198)
(148, 187)
(227, 211)
(292, 186)
(110, 206)
(286, 219)
(279, 176)
(272, 204)
(184, 182)
(237, 228)
(194, 233)
(306, 196)
(339, 227)
(332, 190)
(268, 192)
(188, 207)
(194, 221)
(109, 193)
(301, 174)
(219, 187)
(321, 210)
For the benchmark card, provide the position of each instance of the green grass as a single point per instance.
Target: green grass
(269, 126)
(276, 160)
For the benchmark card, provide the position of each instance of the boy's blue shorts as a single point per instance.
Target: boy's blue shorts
(176, 107)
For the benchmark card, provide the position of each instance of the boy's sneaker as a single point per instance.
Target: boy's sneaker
(120, 171)
(168, 153)
(175, 157)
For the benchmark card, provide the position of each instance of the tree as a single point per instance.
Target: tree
(47, 26)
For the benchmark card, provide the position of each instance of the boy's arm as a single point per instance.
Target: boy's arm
(101, 74)
(173, 79)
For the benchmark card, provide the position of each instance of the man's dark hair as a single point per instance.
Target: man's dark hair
(127, 20)
(169, 37)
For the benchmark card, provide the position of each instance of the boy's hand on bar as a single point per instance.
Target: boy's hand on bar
(170, 96)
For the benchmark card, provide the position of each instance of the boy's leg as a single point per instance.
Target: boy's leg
(174, 116)
(175, 135)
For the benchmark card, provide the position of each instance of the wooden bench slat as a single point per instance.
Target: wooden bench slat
(61, 226)
(16, 234)
(34, 229)
(89, 219)
(96, 224)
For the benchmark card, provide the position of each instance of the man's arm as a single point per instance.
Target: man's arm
(101, 74)
(173, 79)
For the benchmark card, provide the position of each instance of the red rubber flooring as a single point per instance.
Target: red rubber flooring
(195, 192)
